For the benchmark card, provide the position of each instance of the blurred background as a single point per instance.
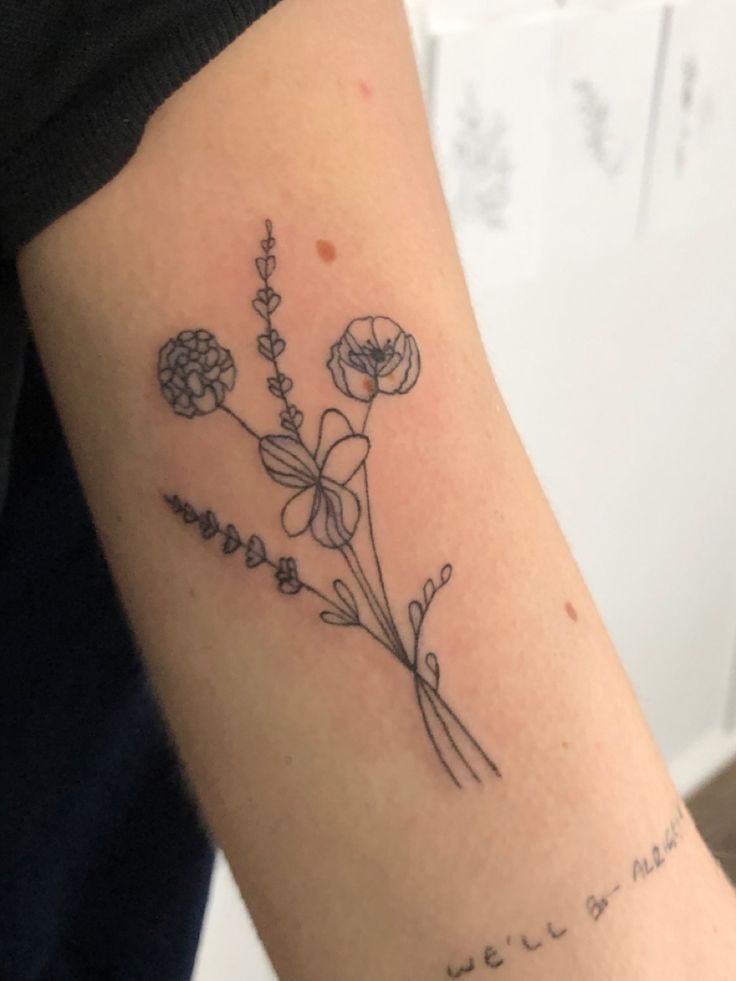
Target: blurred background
(588, 153)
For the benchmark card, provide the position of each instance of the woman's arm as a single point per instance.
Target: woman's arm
(402, 792)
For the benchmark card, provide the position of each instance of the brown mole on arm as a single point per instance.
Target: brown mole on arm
(571, 611)
(325, 250)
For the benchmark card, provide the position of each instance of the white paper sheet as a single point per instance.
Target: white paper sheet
(601, 86)
(489, 111)
(694, 172)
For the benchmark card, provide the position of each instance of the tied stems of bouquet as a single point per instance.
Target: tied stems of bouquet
(447, 719)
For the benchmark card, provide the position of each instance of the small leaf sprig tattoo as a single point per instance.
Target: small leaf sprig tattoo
(328, 490)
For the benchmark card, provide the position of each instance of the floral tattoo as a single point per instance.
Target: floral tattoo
(328, 494)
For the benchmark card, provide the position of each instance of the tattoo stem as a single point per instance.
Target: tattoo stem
(241, 422)
(367, 414)
(432, 695)
(379, 569)
(353, 562)
(466, 733)
(421, 694)
(330, 602)
(273, 357)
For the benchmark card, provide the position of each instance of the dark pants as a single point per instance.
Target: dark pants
(104, 865)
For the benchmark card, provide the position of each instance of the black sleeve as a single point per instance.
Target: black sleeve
(79, 80)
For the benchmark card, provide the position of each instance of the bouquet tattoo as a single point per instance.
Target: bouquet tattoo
(326, 490)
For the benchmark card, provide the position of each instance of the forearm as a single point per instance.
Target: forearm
(384, 821)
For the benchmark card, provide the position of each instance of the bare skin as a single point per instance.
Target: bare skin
(358, 857)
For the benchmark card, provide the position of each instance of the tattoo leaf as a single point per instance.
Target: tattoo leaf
(232, 540)
(336, 619)
(268, 243)
(175, 503)
(208, 524)
(266, 302)
(189, 514)
(255, 552)
(415, 615)
(265, 266)
(287, 576)
(445, 573)
(280, 385)
(270, 344)
(429, 591)
(347, 598)
(433, 666)
(291, 419)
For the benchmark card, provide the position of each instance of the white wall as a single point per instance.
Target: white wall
(602, 271)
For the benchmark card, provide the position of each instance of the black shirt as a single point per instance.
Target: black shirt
(104, 863)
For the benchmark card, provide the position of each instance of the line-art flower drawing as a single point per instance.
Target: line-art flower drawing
(323, 503)
(328, 491)
(195, 372)
(373, 356)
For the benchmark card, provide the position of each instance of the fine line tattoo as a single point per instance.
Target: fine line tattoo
(329, 496)
(502, 953)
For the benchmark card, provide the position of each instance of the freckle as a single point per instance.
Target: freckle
(368, 385)
(565, 744)
(326, 250)
(192, 591)
(366, 89)
(288, 760)
(571, 611)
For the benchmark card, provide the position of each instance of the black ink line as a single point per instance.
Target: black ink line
(289, 408)
(468, 735)
(555, 934)
(367, 415)
(391, 620)
(389, 612)
(432, 695)
(353, 563)
(338, 609)
(357, 623)
(457, 972)
(420, 693)
(492, 958)
(371, 534)
(241, 422)
(655, 106)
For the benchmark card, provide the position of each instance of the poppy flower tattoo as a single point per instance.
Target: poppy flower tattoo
(327, 494)
(374, 355)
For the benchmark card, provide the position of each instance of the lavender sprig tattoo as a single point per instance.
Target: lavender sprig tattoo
(329, 491)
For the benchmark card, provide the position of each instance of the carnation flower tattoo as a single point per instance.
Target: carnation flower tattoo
(326, 493)
(195, 373)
